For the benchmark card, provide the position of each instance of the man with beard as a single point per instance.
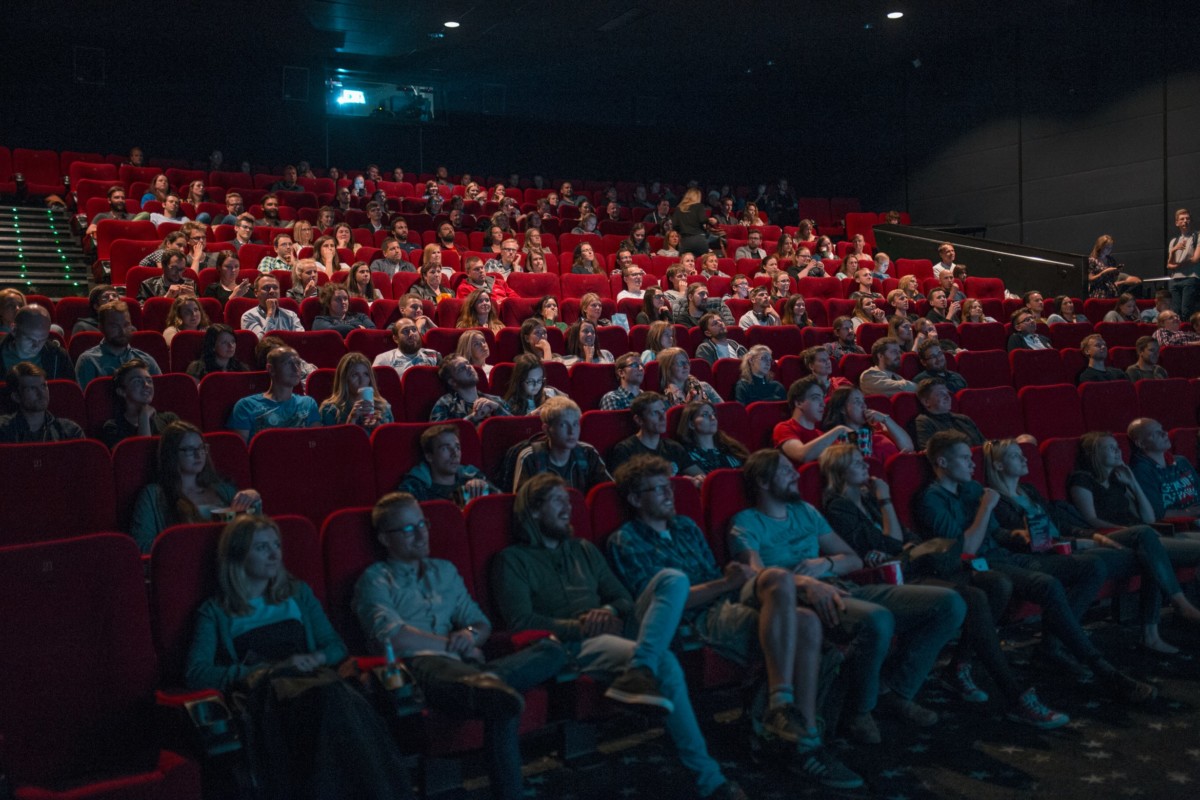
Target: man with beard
(104, 358)
(464, 400)
(270, 214)
(116, 209)
(408, 352)
(441, 475)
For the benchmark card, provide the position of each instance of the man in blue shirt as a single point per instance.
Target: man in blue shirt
(104, 358)
(279, 406)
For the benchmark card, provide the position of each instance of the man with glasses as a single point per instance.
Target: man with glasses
(561, 453)
(633, 275)
(32, 422)
(342, 200)
(509, 260)
(735, 611)
(420, 608)
(285, 254)
(268, 315)
(1025, 335)
(195, 240)
(279, 406)
(630, 373)
(171, 283)
(233, 210)
(104, 358)
(243, 232)
(30, 341)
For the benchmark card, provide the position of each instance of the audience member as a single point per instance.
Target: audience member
(463, 400)
(883, 377)
(1183, 253)
(649, 414)
(171, 283)
(336, 314)
(1168, 480)
(185, 314)
(709, 447)
(32, 422)
(133, 414)
(761, 311)
(717, 344)
(441, 475)
(29, 341)
(1146, 367)
(218, 352)
(1025, 335)
(354, 398)
(1095, 350)
(527, 389)
(560, 452)
(676, 381)
(876, 433)
(279, 406)
(800, 437)
(757, 380)
(269, 315)
(478, 311)
(1169, 333)
(580, 347)
(104, 358)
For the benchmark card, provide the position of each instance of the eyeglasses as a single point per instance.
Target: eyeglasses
(408, 530)
(187, 452)
(535, 381)
(662, 489)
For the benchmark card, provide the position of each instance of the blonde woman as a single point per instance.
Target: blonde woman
(473, 346)
(676, 381)
(478, 312)
(355, 398)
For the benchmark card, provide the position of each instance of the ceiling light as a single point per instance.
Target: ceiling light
(895, 14)
(450, 24)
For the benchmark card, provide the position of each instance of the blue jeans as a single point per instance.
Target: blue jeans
(656, 616)
(1154, 558)
(1183, 296)
(439, 677)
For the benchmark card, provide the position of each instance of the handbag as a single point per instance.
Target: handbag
(939, 557)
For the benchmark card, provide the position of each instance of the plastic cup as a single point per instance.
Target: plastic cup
(367, 393)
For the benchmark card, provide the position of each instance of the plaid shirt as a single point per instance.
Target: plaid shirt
(638, 552)
(1181, 337)
(583, 470)
(618, 399)
(452, 406)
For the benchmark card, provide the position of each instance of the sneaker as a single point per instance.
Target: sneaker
(637, 685)
(1030, 710)
(962, 684)
(823, 766)
(1129, 690)
(782, 723)
(728, 790)
(1056, 656)
(907, 710)
(862, 729)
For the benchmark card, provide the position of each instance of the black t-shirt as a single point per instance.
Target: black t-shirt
(672, 451)
(1113, 503)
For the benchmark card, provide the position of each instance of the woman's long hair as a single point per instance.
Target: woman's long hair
(724, 442)
(179, 508)
(340, 397)
(232, 551)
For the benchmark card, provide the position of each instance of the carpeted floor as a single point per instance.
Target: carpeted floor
(1107, 751)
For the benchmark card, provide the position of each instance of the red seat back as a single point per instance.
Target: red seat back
(995, 410)
(1161, 400)
(285, 461)
(1051, 411)
(982, 369)
(56, 490)
(1037, 368)
(397, 449)
(220, 391)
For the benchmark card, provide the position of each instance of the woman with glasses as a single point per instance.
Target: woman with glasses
(188, 489)
(634, 276)
(133, 414)
(527, 388)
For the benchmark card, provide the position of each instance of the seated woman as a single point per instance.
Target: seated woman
(1066, 311)
(534, 341)
(901, 329)
(217, 352)
(536, 264)
(591, 309)
(533, 243)
(527, 388)
(429, 286)
(359, 284)
(326, 255)
(750, 216)
(547, 311)
(676, 381)
(758, 381)
(633, 276)
(908, 284)
(660, 337)
(859, 510)
(819, 363)
(972, 311)
(587, 224)
(925, 330)
(795, 311)
(302, 234)
(1125, 311)
(670, 246)
(354, 398)
(477, 312)
(186, 314)
(823, 251)
(227, 284)
(581, 346)
(781, 285)
(708, 447)
(493, 239)
(865, 310)
(878, 435)
(336, 314)
(264, 621)
(343, 235)
(133, 392)
(304, 280)
(785, 249)
(473, 346)
(584, 261)
(188, 488)
(656, 307)
(1106, 494)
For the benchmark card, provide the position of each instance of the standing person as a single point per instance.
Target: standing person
(690, 219)
(860, 510)
(548, 579)
(1183, 253)
(421, 608)
(262, 618)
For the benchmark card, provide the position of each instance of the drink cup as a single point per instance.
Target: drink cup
(1062, 548)
(367, 393)
(890, 573)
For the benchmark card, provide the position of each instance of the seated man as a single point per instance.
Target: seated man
(32, 422)
(550, 580)
(955, 506)
(233, 209)
(463, 400)
(630, 373)
(799, 437)
(649, 412)
(268, 315)
(1162, 302)
(1035, 304)
(935, 399)
(171, 283)
(400, 233)
(762, 312)
(270, 214)
(104, 358)
(734, 611)
(953, 293)
(509, 260)
(1146, 367)
(285, 254)
(243, 232)
(1095, 350)
(753, 247)
(945, 261)
(844, 342)
(933, 359)
(783, 531)
(478, 279)
(695, 305)
(172, 211)
(442, 475)
(392, 260)
(408, 351)
(30, 341)
(279, 406)
(412, 306)
(288, 182)
(864, 285)
(116, 209)
(940, 307)
(562, 454)
(717, 343)
(420, 608)
(884, 376)
(1025, 335)
(1169, 481)
(1170, 334)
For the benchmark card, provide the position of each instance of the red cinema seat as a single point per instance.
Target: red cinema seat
(783, 340)
(983, 369)
(1181, 361)
(590, 382)
(852, 365)
(907, 474)
(1121, 334)
(369, 342)
(554, 372)
(41, 170)
(1038, 368)
(323, 348)
(109, 230)
(76, 727)
(1108, 405)
(283, 462)
(603, 429)
(498, 434)
(1167, 401)
(183, 574)
(985, 288)
(761, 419)
(982, 336)
(84, 170)
(534, 284)
(921, 267)
(723, 495)
(397, 449)
(1059, 460)
(1051, 411)
(578, 285)
(995, 410)
(1069, 334)
(220, 391)
(56, 490)
(66, 401)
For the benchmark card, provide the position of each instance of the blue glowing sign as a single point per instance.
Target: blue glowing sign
(352, 96)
